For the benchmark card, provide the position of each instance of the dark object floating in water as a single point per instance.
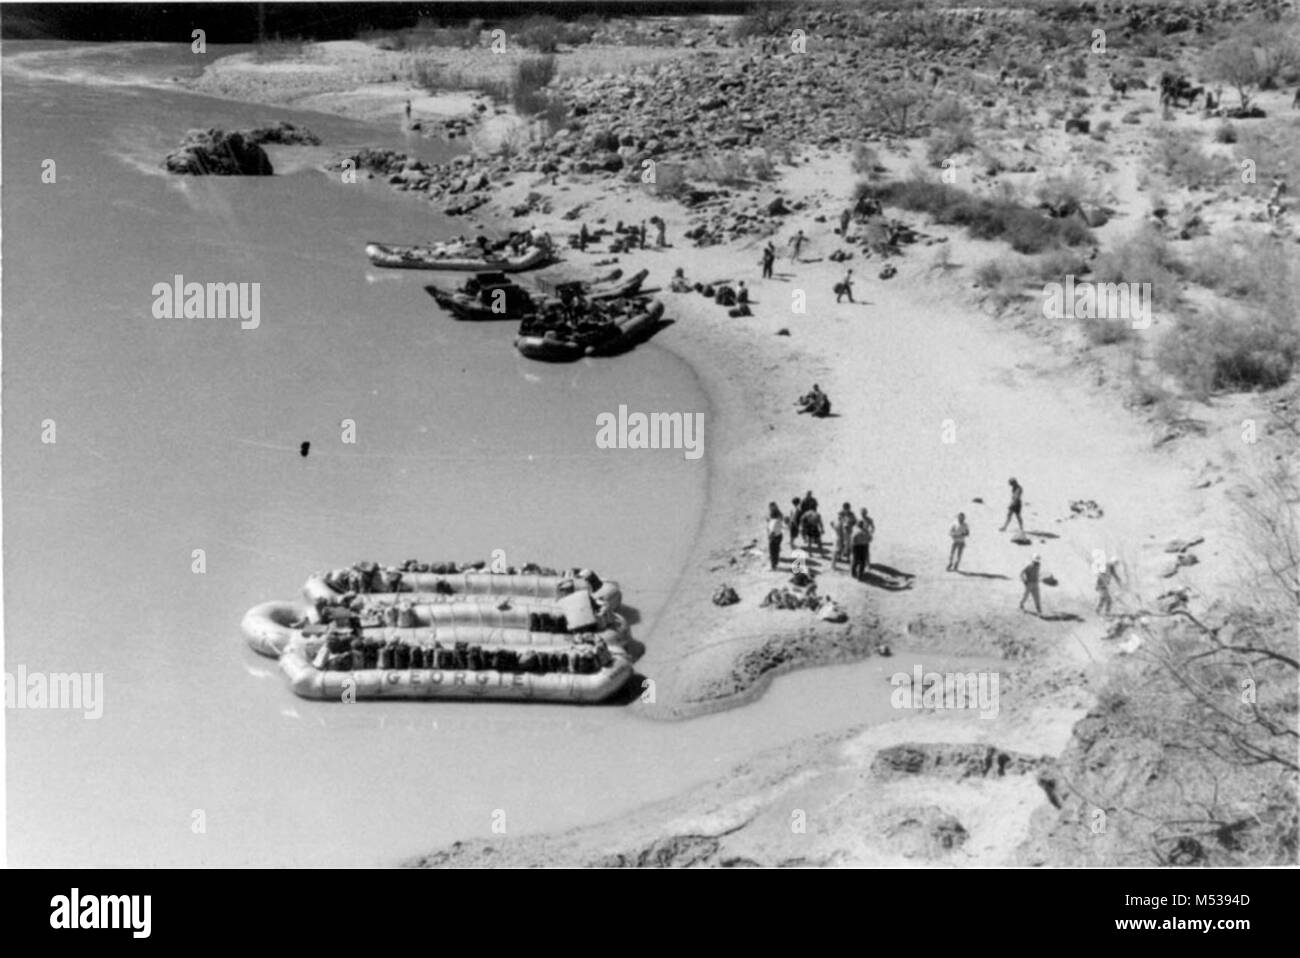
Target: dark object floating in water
(304, 449)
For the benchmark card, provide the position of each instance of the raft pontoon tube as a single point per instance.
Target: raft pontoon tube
(435, 587)
(311, 682)
(442, 659)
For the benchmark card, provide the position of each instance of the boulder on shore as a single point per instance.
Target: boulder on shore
(214, 152)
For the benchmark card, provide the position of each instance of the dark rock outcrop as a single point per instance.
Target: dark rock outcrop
(214, 152)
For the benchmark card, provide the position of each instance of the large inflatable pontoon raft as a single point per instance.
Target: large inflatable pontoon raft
(545, 641)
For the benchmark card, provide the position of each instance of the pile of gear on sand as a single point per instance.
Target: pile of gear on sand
(735, 298)
(802, 593)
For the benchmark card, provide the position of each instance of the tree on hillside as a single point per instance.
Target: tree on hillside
(1252, 58)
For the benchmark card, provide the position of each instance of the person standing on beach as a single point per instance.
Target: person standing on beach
(844, 523)
(641, 234)
(813, 528)
(844, 222)
(661, 227)
(769, 259)
(867, 525)
(775, 532)
(1108, 573)
(1014, 508)
(860, 545)
(959, 532)
(797, 242)
(408, 110)
(1029, 576)
(796, 510)
(845, 287)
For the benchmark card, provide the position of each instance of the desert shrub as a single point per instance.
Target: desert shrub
(898, 108)
(1064, 193)
(528, 84)
(1246, 265)
(1253, 56)
(1230, 350)
(1179, 156)
(990, 274)
(1105, 331)
(1056, 264)
(865, 160)
(949, 111)
(670, 181)
(1143, 257)
(1026, 230)
(948, 142)
(765, 20)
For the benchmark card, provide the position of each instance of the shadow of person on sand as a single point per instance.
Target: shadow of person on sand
(1061, 617)
(631, 614)
(981, 575)
(1041, 535)
(896, 573)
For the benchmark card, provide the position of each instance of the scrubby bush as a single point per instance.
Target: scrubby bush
(898, 108)
(1252, 57)
(1105, 331)
(1179, 156)
(1230, 350)
(528, 85)
(1143, 257)
(670, 181)
(948, 142)
(1026, 230)
(865, 160)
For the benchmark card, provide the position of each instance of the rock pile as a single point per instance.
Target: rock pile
(214, 152)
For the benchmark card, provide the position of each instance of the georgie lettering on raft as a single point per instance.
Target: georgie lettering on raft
(182, 300)
(658, 430)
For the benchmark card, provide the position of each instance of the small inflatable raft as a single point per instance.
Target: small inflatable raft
(461, 258)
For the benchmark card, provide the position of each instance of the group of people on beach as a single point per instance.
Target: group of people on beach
(855, 532)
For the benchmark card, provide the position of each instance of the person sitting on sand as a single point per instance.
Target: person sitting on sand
(816, 403)
(959, 533)
(742, 292)
(1014, 508)
(775, 532)
(678, 283)
(1029, 575)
